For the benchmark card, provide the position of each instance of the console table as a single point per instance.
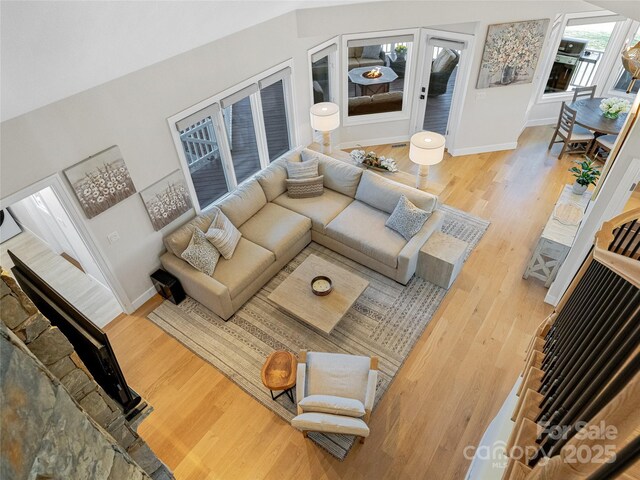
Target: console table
(556, 240)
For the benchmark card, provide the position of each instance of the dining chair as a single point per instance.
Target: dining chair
(570, 133)
(584, 92)
(604, 142)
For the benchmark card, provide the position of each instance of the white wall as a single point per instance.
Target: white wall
(131, 111)
(493, 118)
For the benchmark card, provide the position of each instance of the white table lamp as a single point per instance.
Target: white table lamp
(325, 117)
(426, 148)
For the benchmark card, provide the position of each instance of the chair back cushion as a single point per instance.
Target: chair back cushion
(445, 61)
(244, 202)
(272, 179)
(337, 374)
(349, 407)
(384, 194)
(339, 176)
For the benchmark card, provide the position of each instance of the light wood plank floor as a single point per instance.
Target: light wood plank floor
(445, 395)
(81, 290)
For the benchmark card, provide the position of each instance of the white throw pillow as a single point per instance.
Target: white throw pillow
(406, 218)
(349, 407)
(307, 169)
(200, 254)
(223, 234)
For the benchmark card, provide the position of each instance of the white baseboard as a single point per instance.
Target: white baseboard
(536, 122)
(551, 299)
(375, 141)
(142, 299)
(483, 149)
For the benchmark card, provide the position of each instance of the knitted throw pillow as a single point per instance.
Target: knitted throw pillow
(306, 169)
(305, 187)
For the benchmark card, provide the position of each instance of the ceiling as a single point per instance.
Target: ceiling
(50, 50)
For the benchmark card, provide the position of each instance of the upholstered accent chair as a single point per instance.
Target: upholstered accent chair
(441, 69)
(335, 393)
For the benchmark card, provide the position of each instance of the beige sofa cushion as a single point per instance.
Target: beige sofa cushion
(275, 228)
(384, 194)
(321, 210)
(248, 262)
(338, 175)
(349, 407)
(325, 422)
(272, 179)
(337, 374)
(177, 241)
(354, 226)
(243, 202)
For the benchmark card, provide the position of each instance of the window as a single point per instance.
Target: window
(203, 155)
(322, 60)
(241, 133)
(581, 52)
(624, 78)
(376, 69)
(275, 113)
(235, 135)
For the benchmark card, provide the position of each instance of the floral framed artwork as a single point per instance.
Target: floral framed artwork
(511, 53)
(100, 181)
(166, 200)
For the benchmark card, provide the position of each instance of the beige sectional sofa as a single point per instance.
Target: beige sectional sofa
(348, 218)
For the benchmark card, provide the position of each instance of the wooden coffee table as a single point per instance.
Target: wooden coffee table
(294, 294)
(279, 373)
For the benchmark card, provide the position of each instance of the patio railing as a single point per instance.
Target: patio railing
(200, 144)
(586, 68)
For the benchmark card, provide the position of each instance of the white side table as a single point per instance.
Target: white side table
(440, 259)
(555, 241)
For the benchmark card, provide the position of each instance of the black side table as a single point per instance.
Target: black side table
(168, 286)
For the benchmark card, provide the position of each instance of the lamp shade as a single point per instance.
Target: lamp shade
(426, 148)
(325, 116)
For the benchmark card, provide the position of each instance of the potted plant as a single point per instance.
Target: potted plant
(401, 51)
(586, 175)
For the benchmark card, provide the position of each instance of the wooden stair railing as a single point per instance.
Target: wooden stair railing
(581, 379)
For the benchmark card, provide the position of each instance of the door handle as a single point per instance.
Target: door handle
(421, 97)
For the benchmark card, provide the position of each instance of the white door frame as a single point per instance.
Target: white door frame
(57, 185)
(459, 89)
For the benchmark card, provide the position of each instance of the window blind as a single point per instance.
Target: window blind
(275, 77)
(444, 43)
(239, 95)
(573, 22)
(363, 42)
(325, 52)
(208, 111)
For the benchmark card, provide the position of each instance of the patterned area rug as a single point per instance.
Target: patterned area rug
(386, 321)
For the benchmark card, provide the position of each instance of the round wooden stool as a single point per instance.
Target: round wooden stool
(279, 373)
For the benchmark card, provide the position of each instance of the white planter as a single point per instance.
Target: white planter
(579, 189)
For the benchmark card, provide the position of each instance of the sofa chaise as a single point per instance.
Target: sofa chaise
(349, 218)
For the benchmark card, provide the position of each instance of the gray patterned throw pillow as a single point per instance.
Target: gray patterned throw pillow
(200, 254)
(305, 187)
(223, 234)
(305, 169)
(406, 218)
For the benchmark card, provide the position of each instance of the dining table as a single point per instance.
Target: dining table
(589, 116)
